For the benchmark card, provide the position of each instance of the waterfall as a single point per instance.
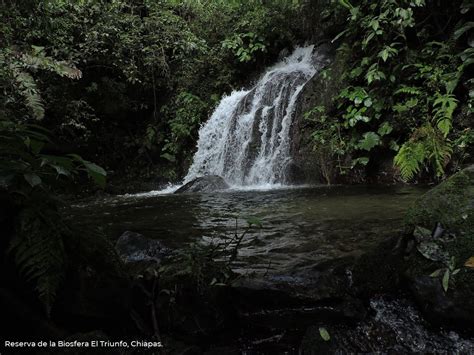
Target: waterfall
(247, 138)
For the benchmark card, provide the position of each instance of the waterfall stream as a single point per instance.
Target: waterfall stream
(247, 138)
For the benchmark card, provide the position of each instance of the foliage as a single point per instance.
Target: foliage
(31, 178)
(138, 59)
(189, 112)
(405, 82)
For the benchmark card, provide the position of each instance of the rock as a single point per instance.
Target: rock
(308, 165)
(134, 247)
(448, 211)
(207, 183)
(441, 305)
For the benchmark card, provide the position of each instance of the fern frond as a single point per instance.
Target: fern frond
(443, 109)
(411, 90)
(30, 93)
(409, 159)
(38, 251)
(438, 148)
(427, 146)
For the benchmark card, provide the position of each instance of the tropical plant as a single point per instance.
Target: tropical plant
(405, 82)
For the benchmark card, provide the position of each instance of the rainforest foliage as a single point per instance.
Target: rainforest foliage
(407, 86)
(122, 86)
(121, 83)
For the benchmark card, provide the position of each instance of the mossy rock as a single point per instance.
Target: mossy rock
(451, 205)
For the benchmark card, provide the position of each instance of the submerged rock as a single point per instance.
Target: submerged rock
(134, 247)
(437, 270)
(207, 183)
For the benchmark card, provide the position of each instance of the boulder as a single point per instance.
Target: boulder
(134, 247)
(440, 225)
(207, 183)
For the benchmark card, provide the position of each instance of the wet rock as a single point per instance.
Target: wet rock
(207, 183)
(134, 247)
(441, 305)
(308, 165)
(394, 326)
(448, 211)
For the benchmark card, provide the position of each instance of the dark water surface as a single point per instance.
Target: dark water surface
(299, 225)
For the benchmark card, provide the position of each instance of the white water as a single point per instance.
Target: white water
(247, 138)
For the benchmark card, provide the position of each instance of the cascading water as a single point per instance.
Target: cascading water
(247, 138)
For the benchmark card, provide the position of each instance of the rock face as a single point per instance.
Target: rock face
(308, 165)
(448, 211)
(134, 247)
(207, 183)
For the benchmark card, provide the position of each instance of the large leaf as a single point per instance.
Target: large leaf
(466, 27)
(384, 129)
(97, 173)
(369, 140)
(32, 179)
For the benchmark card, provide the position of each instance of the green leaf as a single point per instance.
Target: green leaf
(340, 35)
(97, 173)
(32, 179)
(445, 281)
(394, 146)
(436, 273)
(466, 27)
(385, 129)
(384, 55)
(324, 334)
(346, 4)
(362, 160)
(369, 140)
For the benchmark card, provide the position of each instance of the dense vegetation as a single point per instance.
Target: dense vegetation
(151, 71)
(406, 86)
(122, 83)
(122, 86)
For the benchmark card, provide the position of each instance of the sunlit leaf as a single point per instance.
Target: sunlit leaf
(324, 334)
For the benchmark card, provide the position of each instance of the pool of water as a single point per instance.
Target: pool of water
(299, 226)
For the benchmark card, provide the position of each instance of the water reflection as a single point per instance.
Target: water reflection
(299, 226)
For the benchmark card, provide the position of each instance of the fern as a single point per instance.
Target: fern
(38, 251)
(427, 146)
(411, 90)
(36, 59)
(409, 159)
(443, 107)
(29, 91)
(438, 149)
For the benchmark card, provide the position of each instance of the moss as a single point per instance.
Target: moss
(451, 203)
